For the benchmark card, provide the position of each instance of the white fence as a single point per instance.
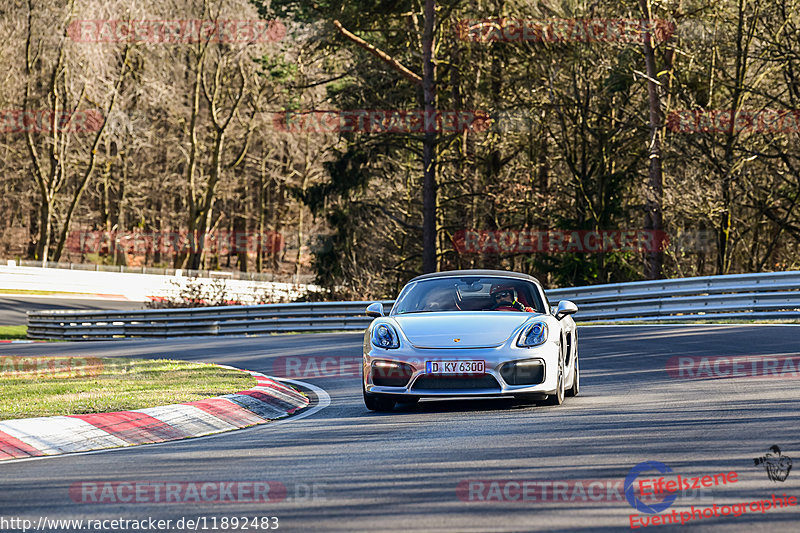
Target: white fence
(144, 287)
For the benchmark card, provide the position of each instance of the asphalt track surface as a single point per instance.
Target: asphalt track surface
(400, 471)
(13, 308)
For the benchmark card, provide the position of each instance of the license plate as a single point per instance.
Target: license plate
(455, 367)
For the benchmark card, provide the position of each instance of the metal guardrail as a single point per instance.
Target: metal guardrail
(227, 320)
(746, 296)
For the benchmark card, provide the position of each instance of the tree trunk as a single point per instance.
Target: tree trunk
(654, 218)
(300, 212)
(429, 146)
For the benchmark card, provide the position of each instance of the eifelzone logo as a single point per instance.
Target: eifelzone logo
(777, 465)
(630, 493)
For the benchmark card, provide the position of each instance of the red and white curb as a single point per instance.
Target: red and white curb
(55, 435)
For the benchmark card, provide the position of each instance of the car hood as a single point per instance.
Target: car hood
(483, 329)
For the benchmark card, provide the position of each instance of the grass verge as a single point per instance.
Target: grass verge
(13, 332)
(48, 386)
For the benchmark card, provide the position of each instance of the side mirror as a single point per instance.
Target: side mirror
(565, 307)
(375, 309)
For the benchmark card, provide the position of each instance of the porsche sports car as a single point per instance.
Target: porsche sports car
(473, 333)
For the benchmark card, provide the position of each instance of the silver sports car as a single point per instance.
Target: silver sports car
(470, 333)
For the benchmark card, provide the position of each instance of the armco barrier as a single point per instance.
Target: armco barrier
(746, 296)
(228, 320)
(767, 295)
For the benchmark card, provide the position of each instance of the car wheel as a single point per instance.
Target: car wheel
(558, 397)
(576, 379)
(376, 403)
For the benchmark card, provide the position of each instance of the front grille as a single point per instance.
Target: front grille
(432, 382)
(523, 372)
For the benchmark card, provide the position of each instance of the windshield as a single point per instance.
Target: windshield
(469, 294)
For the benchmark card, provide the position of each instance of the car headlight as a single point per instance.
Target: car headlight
(533, 335)
(384, 336)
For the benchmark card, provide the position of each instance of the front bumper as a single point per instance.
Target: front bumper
(490, 383)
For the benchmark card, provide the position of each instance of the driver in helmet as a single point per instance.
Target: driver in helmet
(505, 299)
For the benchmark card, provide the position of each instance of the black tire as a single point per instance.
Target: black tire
(376, 403)
(576, 377)
(558, 397)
